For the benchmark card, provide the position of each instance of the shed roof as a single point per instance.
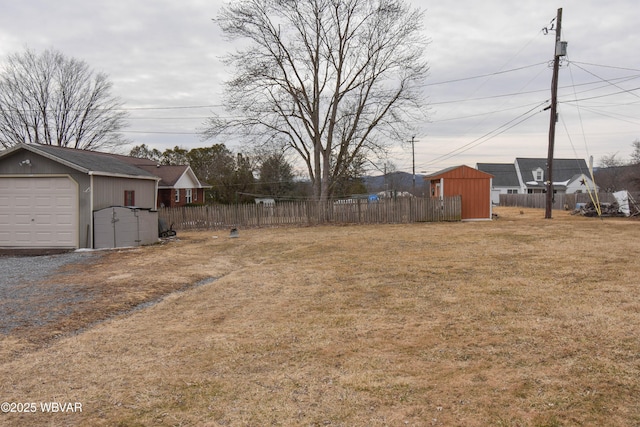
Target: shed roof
(461, 171)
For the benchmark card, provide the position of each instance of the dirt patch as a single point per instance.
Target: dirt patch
(79, 295)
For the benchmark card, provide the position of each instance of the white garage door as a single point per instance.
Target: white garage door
(38, 212)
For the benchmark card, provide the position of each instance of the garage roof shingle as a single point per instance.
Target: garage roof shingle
(88, 161)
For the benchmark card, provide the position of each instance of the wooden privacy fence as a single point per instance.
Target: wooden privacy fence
(561, 201)
(401, 210)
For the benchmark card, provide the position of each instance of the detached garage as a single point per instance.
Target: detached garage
(472, 185)
(48, 194)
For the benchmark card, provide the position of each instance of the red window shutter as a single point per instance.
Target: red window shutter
(129, 198)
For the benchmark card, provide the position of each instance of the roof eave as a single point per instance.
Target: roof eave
(33, 148)
(122, 175)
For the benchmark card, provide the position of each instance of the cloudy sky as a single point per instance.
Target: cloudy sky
(489, 80)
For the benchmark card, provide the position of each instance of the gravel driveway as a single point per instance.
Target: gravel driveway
(28, 299)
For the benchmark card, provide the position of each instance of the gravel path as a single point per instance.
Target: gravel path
(26, 297)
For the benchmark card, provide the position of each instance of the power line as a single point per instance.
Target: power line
(604, 80)
(622, 79)
(481, 75)
(619, 117)
(606, 66)
(629, 91)
(160, 132)
(168, 118)
(488, 135)
(484, 114)
(183, 107)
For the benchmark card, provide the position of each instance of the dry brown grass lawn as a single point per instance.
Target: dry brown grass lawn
(516, 322)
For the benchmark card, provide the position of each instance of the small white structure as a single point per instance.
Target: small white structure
(622, 197)
(266, 201)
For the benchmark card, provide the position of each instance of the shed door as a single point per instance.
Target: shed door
(38, 212)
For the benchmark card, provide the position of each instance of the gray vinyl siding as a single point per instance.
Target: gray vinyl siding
(109, 191)
(38, 165)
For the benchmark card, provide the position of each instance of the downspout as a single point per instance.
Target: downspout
(90, 243)
(442, 194)
(155, 195)
(135, 213)
(490, 198)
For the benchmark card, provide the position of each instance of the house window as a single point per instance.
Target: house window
(177, 195)
(187, 195)
(195, 195)
(512, 191)
(129, 198)
(538, 174)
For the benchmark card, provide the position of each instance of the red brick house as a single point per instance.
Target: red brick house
(178, 185)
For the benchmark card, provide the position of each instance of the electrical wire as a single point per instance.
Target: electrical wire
(462, 79)
(611, 116)
(629, 91)
(606, 66)
(607, 81)
(489, 135)
(159, 132)
(584, 136)
(184, 107)
(484, 114)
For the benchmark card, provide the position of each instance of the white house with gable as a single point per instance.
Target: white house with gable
(528, 176)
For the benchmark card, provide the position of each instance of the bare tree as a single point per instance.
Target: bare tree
(635, 155)
(610, 161)
(338, 80)
(55, 100)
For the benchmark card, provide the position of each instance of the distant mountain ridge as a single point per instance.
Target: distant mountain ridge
(401, 181)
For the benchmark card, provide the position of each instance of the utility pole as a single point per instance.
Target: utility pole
(386, 181)
(559, 50)
(413, 157)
